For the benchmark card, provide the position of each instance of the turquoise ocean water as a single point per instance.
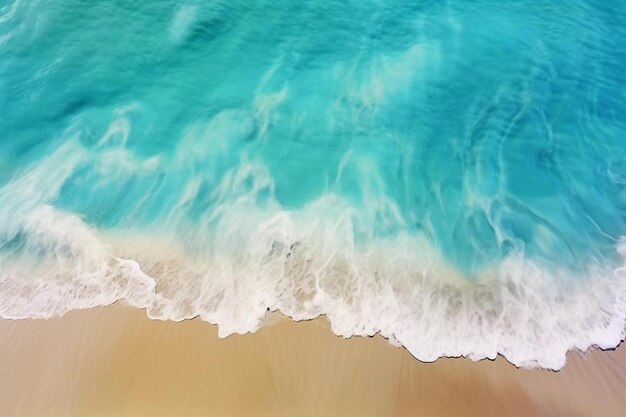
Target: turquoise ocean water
(451, 174)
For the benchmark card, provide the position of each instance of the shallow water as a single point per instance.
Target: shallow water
(451, 175)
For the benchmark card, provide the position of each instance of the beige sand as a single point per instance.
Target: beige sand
(116, 362)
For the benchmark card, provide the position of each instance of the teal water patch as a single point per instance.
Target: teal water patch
(456, 139)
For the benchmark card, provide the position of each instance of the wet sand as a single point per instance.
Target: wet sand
(114, 361)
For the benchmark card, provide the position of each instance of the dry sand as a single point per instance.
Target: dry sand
(116, 362)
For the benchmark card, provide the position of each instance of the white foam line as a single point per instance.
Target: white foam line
(304, 263)
(520, 310)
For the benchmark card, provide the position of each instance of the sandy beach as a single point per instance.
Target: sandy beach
(114, 361)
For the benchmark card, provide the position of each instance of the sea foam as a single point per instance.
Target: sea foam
(303, 263)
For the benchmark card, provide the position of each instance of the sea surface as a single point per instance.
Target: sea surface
(449, 174)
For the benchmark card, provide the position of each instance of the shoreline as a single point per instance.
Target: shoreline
(115, 361)
(433, 311)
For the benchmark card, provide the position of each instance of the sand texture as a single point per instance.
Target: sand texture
(114, 361)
